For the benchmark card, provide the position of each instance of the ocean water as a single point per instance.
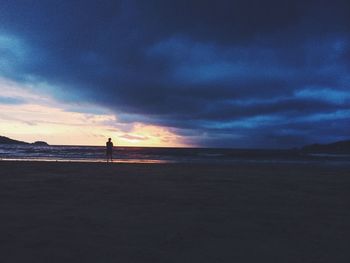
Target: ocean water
(162, 155)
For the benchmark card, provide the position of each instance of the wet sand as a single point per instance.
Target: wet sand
(94, 212)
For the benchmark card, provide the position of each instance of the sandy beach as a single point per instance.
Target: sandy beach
(94, 212)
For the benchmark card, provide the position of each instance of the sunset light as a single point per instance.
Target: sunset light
(29, 116)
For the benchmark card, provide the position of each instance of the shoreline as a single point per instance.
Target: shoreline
(248, 162)
(45, 160)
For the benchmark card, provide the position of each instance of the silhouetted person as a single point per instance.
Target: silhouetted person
(109, 150)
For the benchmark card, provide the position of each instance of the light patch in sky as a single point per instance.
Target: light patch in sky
(325, 94)
(247, 123)
(334, 116)
(40, 117)
(11, 45)
(200, 63)
(13, 53)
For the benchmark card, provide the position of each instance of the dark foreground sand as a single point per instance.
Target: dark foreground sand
(74, 212)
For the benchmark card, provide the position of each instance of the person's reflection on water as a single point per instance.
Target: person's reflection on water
(109, 150)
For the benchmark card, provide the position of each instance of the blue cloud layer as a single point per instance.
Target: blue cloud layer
(234, 73)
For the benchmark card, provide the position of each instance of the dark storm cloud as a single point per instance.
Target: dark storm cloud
(224, 73)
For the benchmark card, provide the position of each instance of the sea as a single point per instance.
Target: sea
(165, 155)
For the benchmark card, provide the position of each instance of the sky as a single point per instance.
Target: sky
(195, 73)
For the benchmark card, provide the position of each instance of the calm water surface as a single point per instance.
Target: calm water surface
(161, 155)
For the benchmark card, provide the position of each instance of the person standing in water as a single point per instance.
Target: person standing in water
(109, 150)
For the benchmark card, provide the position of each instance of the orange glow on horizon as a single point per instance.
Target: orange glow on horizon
(40, 117)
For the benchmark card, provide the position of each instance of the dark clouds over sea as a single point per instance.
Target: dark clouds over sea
(220, 73)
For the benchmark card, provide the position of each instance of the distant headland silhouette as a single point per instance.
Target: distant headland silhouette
(6, 140)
